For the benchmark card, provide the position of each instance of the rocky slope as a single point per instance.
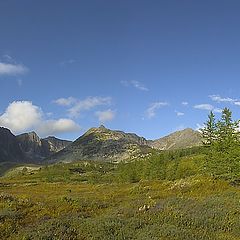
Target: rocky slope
(37, 149)
(53, 144)
(10, 150)
(103, 144)
(178, 140)
(27, 147)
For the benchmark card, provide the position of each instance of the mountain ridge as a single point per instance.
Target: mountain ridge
(27, 147)
(97, 143)
(104, 144)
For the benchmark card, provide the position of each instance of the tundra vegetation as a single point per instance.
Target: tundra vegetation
(183, 194)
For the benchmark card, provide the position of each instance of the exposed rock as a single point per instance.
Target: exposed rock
(32, 146)
(103, 144)
(178, 140)
(10, 150)
(53, 144)
(37, 149)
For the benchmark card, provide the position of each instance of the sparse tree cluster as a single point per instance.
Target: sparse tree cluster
(222, 138)
(223, 134)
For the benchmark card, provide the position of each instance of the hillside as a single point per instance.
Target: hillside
(103, 144)
(10, 150)
(178, 140)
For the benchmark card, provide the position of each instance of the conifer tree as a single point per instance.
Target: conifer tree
(209, 130)
(223, 159)
(227, 131)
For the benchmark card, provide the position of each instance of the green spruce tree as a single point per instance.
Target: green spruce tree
(223, 159)
(209, 130)
(227, 132)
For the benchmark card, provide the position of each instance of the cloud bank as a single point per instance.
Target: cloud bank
(12, 69)
(23, 116)
(76, 106)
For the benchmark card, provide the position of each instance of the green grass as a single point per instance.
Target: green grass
(108, 201)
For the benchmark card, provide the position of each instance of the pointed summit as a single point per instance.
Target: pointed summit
(102, 126)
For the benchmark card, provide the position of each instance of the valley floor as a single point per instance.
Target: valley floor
(196, 207)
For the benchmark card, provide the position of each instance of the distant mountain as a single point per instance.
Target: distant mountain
(27, 147)
(36, 149)
(32, 146)
(103, 144)
(96, 144)
(178, 140)
(10, 150)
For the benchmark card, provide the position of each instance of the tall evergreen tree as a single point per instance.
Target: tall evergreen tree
(209, 130)
(223, 159)
(227, 131)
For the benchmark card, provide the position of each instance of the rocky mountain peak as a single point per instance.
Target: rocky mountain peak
(180, 139)
(9, 147)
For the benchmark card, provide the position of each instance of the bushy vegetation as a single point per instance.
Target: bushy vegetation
(170, 195)
(190, 208)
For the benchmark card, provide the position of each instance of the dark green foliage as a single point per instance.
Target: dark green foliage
(168, 165)
(223, 142)
(209, 131)
(227, 132)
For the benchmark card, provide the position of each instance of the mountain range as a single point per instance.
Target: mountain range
(96, 144)
(27, 147)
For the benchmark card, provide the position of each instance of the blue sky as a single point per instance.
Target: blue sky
(149, 67)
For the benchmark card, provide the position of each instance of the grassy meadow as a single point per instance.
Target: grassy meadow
(166, 196)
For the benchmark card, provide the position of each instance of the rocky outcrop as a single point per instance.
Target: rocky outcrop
(10, 150)
(36, 149)
(53, 144)
(32, 146)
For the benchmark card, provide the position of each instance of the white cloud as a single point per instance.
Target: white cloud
(53, 127)
(87, 104)
(139, 86)
(219, 99)
(237, 103)
(217, 110)
(179, 114)
(208, 107)
(104, 116)
(151, 111)
(204, 106)
(184, 103)
(12, 69)
(23, 116)
(20, 116)
(65, 101)
(136, 84)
